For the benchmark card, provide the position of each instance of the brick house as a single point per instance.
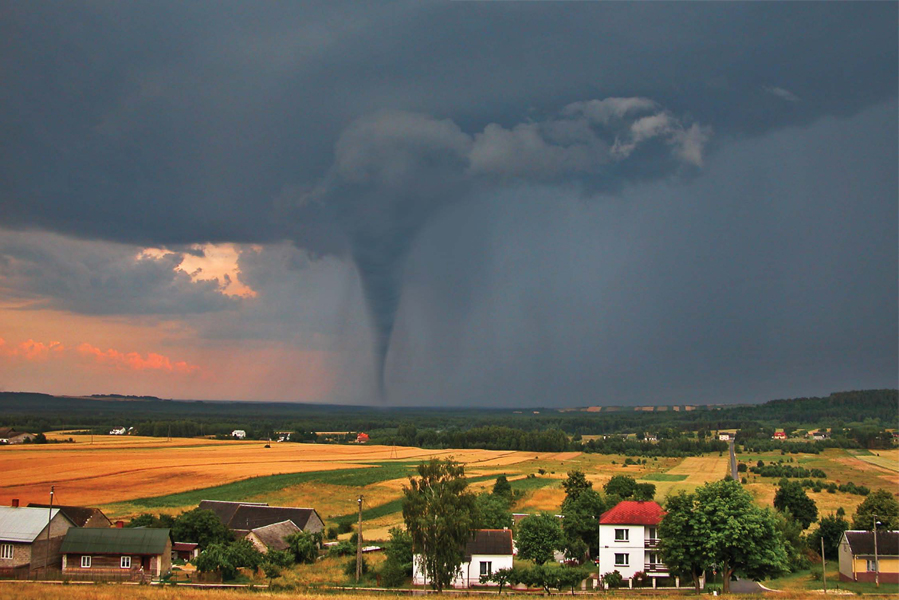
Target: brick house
(24, 543)
(137, 554)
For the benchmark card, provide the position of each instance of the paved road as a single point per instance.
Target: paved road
(745, 586)
(733, 462)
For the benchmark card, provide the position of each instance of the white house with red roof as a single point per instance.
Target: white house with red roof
(629, 541)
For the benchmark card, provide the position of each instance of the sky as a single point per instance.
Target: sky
(467, 203)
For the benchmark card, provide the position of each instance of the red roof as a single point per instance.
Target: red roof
(630, 512)
(183, 546)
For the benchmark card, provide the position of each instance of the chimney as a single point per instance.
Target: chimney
(15, 503)
(119, 524)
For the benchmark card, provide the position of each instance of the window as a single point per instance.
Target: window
(486, 567)
(621, 535)
(6, 551)
(125, 563)
(622, 560)
(653, 533)
(85, 562)
(872, 564)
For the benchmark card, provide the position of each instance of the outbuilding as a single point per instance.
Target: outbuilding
(859, 561)
(488, 551)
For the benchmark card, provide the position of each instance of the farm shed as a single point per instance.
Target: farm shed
(244, 517)
(24, 543)
(185, 551)
(134, 554)
(488, 551)
(272, 537)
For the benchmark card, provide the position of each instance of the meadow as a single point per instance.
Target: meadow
(130, 475)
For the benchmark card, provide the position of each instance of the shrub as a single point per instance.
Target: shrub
(349, 568)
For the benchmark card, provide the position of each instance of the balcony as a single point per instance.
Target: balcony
(655, 568)
(651, 543)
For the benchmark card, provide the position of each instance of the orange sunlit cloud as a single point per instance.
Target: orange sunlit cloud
(134, 361)
(31, 350)
(219, 262)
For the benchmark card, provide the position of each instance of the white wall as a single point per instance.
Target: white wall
(633, 547)
(469, 572)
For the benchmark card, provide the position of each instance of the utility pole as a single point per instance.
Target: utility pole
(876, 561)
(49, 519)
(359, 543)
(823, 565)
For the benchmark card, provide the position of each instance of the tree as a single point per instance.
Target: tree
(215, 557)
(570, 577)
(244, 554)
(539, 536)
(794, 542)
(202, 527)
(791, 497)
(644, 492)
(303, 547)
(398, 565)
(580, 524)
(830, 528)
(620, 485)
(500, 577)
(882, 504)
(575, 484)
(744, 538)
(685, 533)
(440, 513)
(503, 488)
(493, 512)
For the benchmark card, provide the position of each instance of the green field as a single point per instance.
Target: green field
(663, 477)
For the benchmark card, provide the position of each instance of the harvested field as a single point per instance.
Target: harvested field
(885, 459)
(702, 469)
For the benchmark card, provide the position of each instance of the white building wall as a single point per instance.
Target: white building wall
(469, 572)
(633, 547)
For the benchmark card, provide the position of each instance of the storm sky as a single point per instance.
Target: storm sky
(471, 203)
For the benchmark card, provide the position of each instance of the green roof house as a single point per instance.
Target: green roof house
(116, 554)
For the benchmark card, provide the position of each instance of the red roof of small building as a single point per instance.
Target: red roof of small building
(362, 436)
(631, 512)
(183, 546)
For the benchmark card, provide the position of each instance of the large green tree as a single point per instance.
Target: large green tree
(830, 528)
(503, 488)
(580, 524)
(744, 539)
(493, 512)
(791, 497)
(880, 505)
(539, 536)
(202, 527)
(685, 534)
(575, 484)
(440, 514)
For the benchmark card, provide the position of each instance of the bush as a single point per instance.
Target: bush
(344, 548)
(344, 527)
(392, 573)
(350, 568)
(613, 579)
(332, 533)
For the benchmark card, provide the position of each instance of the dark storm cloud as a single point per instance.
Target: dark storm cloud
(97, 278)
(347, 128)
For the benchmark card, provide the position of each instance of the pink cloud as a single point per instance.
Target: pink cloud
(132, 361)
(31, 350)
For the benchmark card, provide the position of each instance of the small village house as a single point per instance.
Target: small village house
(779, 435)
(362, 438)
(137, 554)
(239, 434)
(485, 553)
(185, 551)
(80, 516)
(629, 543)
(243, 517)
(117, 431)
(857, 562)
(24, 542)
(272, 537)
(725, 437)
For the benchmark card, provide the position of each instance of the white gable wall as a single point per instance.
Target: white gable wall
(633, 548)
(469, 573)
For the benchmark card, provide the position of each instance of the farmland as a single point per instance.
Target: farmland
(129, 475)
